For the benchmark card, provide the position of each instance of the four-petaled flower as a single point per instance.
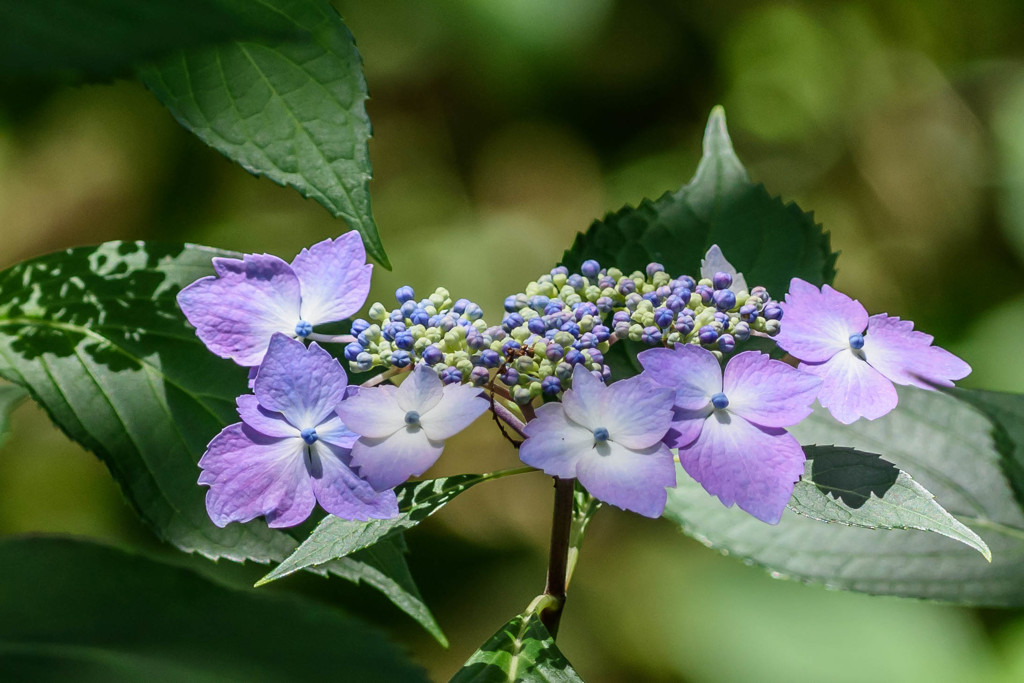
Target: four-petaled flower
(729, 427)
(236, 311)
(291, 450)
(402, 429)
(608, 437)
(860, 357)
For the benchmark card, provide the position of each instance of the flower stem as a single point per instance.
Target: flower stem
(509, 418)
(558, 557)
(331, 338)
(384, 376)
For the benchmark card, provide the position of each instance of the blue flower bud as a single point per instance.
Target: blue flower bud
(856, 341)
(363, 362)
(420, 317)
(741, 331)
(620, 317)
(723, 319)
(554, 352)
(651, 335)
(686, 281)
(707, 335)
(663, 317)
(432, 355)
(479, 376)
(772, 311)
(675, 303)
(601, 333)
(705, 293)
(400, 358)
(590, 268)
(573, 357)
(559, 270)
(726, 343)
(575, 281)
(509, 345)
(563, 371)
(760, 292)
(358, 325)
(663, 292)
(512, 321)
(474, 312)
(772, 327)
(404, 340)
(510, 304)
(724, 298)
(539, 302)
(587, 341)
(475, 340)
(722, 280)
(596, 356)
(489, 358)
(551, 386)
(653, 268)
(684, 324)
(404, 293)
(585, 308)
(537, 325)
(407, 308)
(606, 282)
(626, 286)
(572, 328)
(652, 297)
(604, 305)
(748, 312)
(510, 377)
(521, 395)
(352, 350)
(451, 375)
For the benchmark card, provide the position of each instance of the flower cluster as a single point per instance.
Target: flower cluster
(306, 436)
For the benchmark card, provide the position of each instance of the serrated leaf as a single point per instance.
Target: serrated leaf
(851, 487)
(335, 537)
(11, 395)
(522, 650)
(1007, 412)
(950, 449)
(75, 40)
(81, 611)
(96, 337)
(293, 111)
(768, 241)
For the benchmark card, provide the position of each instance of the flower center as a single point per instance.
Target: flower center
(856, 341)
(303, 328)
(719, 401)
(600, 435)
(309, 435)
(412, 418)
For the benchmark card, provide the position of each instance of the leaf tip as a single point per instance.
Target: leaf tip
(716, 133)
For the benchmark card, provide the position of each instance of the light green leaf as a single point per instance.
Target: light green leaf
(951, 450)
(522, 650)
(96, 337)
(74, 40)
(335, 537)
(850, 487)
(78, 611)
(584, 506)
(293, 111)
(768, 241)
(11, 395)
(1007, 412)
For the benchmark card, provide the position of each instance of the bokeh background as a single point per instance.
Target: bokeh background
(501, 129)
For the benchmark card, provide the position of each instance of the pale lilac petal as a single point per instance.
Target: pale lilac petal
(250, 475)
(686, 426)
(420, 391)
(389, 461)
(335, 432)
(341, 492)
(851, 388)
(817, 324)
(236, 313)
(584, 403)
(305, 384)
(631, 479)
(335, 278)
(714, 262)
(554, 442)
(743, 464)
(637, 412)
(373, 413)
(906, 356)
(459, 406)
(693, 372)
(768, 392)
(266, 422)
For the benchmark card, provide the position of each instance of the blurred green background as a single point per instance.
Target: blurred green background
(500, 130)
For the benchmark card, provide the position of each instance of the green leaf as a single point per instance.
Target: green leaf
(335, 537)
(11, 395)
(584, 506)
(76, 610)
(75, 40)
(522, 650)
(290, 110)
(851, 487)
(951, 449)
(1007, 412)
(96, 337)
(768, 241)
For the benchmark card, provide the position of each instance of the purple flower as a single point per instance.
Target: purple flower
(291, 450)
(729, 428)
(402, 429)
(859, 357)
(608, 437)
(236, 311)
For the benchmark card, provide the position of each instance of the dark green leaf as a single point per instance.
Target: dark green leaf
(335, 537)
(1007, 412)
(768, 241)
(850, 487)
(10, 396)
(522, 650)
(290, 110)
(78, 611)
(96, 337)
(951, 450)
(76, 40)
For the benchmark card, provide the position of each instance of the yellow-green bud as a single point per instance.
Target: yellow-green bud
(564, 338)
(635, 332)
(378, 312)
(614, 273)
(559, 280)
(586, 323)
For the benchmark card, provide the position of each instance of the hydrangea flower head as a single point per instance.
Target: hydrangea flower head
(291, 450)
(610, 438)
(236, 311)
(860, 357)
(729, 427)
(402, 429)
